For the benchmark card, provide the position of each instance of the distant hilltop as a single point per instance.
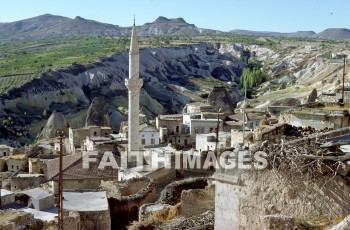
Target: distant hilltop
(331, 34)
(48, 25)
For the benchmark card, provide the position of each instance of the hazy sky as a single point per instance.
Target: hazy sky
(225, 15)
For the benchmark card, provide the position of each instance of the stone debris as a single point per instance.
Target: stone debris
(277, 222)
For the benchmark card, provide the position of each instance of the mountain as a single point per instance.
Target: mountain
(48, 25)
(306, 34)
(163, 25)
(334, 33)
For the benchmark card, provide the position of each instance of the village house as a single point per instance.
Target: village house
(252, 120)
(148, 135)
(5, 150)
(26, 180)
(75, 176)
(16, 163)
(207, 142)
(37, 198)
(76, 136)
(318, 116)
(99, 144)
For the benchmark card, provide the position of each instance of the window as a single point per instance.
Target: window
(95, 133)
(17, 167)
(143, 141)
(13, 167)
(152, 141)
(4, 153)
(177, 129)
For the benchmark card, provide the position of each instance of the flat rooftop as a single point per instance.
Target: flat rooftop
(45, 215)
(28, 175)
(85, 201)
(4, 192)
(37, 193)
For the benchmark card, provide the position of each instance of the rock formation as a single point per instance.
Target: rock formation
(221, 99)
(312, 96)
(97, 113)
(56, 123)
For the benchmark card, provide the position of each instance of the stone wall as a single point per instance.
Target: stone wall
(172, 192)
(197, 201)
(11, 219)
(324, 198)
(275, 132)
(133, 193)
(3, 164)
(330, 134)
(71, 220)
(20, 183)
(95, 220)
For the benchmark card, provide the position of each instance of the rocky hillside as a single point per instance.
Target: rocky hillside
(297, 69)
(171, 79)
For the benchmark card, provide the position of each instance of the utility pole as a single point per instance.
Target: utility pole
(0, 193)
(343, 89)
(217, 133)
(60, 185)
(245, 96)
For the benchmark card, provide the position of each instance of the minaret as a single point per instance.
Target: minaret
(134, 84)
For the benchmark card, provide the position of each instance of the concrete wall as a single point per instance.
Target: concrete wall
(226, 206)
(7, 197)
(79, 184)
(42, 203)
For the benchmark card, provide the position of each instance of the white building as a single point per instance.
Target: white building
(207, 142)
(200, 126)
(5, 150)
(148, 135)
